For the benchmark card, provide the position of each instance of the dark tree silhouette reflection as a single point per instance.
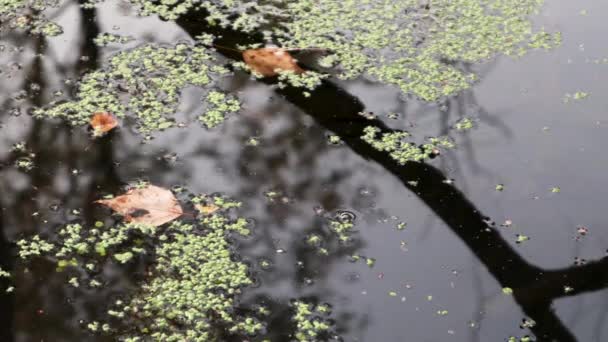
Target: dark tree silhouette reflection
(62, 150)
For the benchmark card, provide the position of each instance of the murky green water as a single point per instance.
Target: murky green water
(447, 276)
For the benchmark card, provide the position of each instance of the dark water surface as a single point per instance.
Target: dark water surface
(448, 277)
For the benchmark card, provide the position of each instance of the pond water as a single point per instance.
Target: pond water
(444, 277)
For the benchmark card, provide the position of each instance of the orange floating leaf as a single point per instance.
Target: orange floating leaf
(150, 205)
(207, 209)
(268, 61)
(103, 122)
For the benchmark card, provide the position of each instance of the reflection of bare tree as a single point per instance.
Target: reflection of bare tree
(534, 288)
(70, 172)
(52, 143)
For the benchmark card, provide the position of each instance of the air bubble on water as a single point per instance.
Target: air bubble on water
(365, 192)
(170, 158)
(345, 216)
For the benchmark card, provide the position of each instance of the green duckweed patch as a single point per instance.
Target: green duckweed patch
(243, 15)
(576, 96)
(415, 46)
(192, 287)
(464, 124)
(311, 321)
(28, 16)
(399, 148)
(219, 104)
(104, 39)
(342, 225)
(145, 82)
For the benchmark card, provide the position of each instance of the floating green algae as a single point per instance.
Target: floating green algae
(219, 104)
(104, 39)
(29, 16)
(311, 321)
(399, 148)
(144, 82)
(195, 284)
(244, 15)
(464, 124)
(342, 225)
(191, 289)
(414, 45)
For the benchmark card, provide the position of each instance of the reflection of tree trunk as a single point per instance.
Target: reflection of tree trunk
(338, 111)
(534, 288)
(90, 30)
(41, 138)
(7, 300)
(104, 172)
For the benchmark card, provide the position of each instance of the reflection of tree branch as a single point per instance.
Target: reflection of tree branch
(579, 279)
(534, 288)
(7, 300)
(90, 30)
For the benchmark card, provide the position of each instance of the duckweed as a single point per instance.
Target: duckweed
(243, 15)
(194, 282)
(342, 228)
(310, 323)
(219, 104)
(464, 124)
(104, 39)
(577, 96)
(406, 43)
(29, 16)
(145, 82)
(34, 247)
(399, 148)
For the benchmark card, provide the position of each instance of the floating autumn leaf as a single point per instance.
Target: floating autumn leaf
(102, 122)
(269, 60)
(150, 205)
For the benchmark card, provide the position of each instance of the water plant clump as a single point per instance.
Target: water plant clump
(464, 124)
(407, 43)
(192, 287)
(311, 321)
(342, 224)
(219, 104)
(29, 16)
(399, 148)
(195, 284)
(243, 15)
(104, 39)
(145, 82)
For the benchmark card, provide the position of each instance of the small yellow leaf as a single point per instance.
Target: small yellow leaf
(207, 209)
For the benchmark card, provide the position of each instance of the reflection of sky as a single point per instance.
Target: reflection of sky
(520, 97)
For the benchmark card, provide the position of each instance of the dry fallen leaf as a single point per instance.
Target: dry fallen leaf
(267, 61)
(150, 205)
(102, 122)
(207, 209)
